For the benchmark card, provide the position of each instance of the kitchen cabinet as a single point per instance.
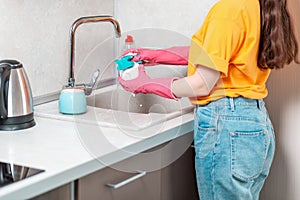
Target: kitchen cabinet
(178, 180)
(60, 193)
(174, 179)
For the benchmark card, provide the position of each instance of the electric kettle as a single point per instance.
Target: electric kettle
(16, 104)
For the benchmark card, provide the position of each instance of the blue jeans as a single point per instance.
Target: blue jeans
(234, 144)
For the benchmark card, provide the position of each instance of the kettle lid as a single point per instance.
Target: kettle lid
(12, 64)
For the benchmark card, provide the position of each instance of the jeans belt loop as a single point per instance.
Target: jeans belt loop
(231, 104)
(258, 104)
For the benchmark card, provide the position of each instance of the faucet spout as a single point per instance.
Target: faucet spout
(75, 25)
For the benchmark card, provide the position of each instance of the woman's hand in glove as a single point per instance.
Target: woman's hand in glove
(144, 84)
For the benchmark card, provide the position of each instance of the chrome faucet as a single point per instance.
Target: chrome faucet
(71, 81)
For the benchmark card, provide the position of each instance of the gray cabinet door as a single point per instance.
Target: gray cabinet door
(170, 175)
(60, 193)
(178, 180)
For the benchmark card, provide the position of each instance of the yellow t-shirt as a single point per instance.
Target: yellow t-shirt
(228, 41)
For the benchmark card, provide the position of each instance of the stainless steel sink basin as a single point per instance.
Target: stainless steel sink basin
(121, 100)
(124, 109)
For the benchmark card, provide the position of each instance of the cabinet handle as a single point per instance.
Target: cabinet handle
(122, 183)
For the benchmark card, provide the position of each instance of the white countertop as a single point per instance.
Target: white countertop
(68, 150)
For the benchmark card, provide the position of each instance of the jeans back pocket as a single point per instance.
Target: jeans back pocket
(248, 154)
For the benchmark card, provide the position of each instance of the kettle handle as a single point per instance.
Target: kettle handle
(4, 76)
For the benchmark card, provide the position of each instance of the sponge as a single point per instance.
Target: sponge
(125, 62)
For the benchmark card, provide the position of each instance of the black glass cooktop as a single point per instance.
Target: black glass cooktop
(10, 173)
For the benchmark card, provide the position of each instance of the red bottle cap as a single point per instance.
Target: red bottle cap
(129, 38)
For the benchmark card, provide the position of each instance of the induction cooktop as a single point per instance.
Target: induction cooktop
(11, 173)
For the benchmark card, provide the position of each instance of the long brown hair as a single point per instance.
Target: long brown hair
(278, 44)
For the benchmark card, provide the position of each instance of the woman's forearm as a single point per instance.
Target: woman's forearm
(199, 84)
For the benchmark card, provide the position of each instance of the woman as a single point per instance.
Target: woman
(229, 61)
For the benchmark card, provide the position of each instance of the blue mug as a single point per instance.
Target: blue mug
(72, 101)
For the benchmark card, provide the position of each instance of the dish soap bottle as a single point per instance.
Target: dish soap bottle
(128, 69)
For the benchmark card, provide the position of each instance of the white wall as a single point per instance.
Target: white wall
(139, 14)
(161, 22)
(181, 18)
(36, 33)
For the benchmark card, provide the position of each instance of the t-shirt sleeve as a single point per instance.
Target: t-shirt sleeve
(215, 44)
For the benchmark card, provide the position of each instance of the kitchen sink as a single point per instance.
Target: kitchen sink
(11, 173)
(135, 111)
(121, 100)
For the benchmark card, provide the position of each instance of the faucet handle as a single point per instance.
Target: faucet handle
(95, 77)
(88, 88)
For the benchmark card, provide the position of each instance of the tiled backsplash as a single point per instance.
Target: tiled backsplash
(37, 34)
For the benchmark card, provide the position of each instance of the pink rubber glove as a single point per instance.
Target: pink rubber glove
(174, 55)
(144, 84)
